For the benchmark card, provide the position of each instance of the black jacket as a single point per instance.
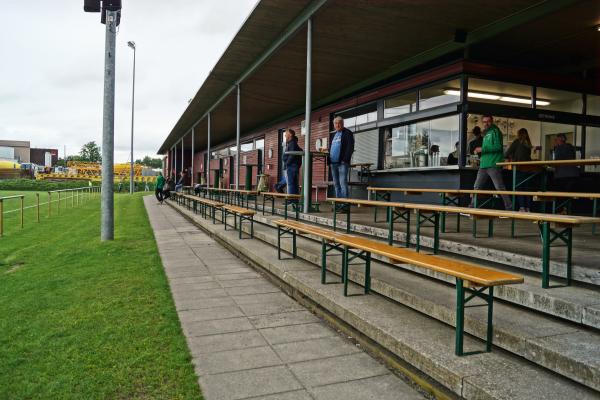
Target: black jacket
(289, 159)
(347, 146)
(565, 152)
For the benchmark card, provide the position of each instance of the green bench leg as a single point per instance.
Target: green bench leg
(278, 242)
(545, 254)
(594, 209)
(323, 261)
(348, 219)
(460, 318)
(460, 314)
(390, 225)
(436, 233)
(368, 274)
(418, 246)
(345, 270)
(263, 205)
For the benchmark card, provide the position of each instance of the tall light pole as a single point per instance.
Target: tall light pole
(132, 45)
(110, 14)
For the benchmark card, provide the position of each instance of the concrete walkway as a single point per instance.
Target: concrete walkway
(248, 339)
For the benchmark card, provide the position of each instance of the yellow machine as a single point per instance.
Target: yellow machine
(78, 170)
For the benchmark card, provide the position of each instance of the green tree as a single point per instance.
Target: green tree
(90, 152)
(150, 162)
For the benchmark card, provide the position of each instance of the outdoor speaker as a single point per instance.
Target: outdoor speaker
(91, 5)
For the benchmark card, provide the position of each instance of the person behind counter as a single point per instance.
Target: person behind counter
(565, 175)
(520, 150)
(453, 157)
(477, 140)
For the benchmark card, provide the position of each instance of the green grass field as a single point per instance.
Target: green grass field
(85, 319)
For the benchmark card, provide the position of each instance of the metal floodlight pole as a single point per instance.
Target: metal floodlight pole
(307, 184)
(192, 171)
(132, 45)
(237, 133)
(108, 129)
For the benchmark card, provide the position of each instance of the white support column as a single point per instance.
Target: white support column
(237, 132)
(307, 181)
(208, 154)
(192, 171)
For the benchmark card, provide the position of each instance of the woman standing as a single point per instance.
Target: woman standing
(520, 150)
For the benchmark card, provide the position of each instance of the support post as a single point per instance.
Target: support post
(192, 171)
(237, 140)
(132, 118)
(307, 184)
(208, 155)
(108, 139)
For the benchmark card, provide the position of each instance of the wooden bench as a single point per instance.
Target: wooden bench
(552, 226)
(452, 197)
(470, 278)
(207, 206)
(288, 199)
(242, 213)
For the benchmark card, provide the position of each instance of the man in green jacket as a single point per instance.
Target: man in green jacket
(492, 152)
(160, 183)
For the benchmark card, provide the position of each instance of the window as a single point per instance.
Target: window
(592, 142)
(440, 94)
(357, 116)
(424, 144)
(259, 144)
(246, 147)
(593, 105)
(366, 147)
(541, 134)
(508, 94)
(559, 100)
(399, 105)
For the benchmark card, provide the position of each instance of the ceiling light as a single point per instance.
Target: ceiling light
(497, 97)
(598, 28)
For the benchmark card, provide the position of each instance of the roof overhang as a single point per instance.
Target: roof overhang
(357, 45)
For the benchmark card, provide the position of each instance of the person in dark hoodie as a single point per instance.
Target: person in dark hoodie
(291, 164)
(565, 176)
(340, 154)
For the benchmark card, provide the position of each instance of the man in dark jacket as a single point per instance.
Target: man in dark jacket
(340, 154)
(291, 164)
(565, 176)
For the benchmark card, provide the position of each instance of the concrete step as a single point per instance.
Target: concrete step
(426, 343)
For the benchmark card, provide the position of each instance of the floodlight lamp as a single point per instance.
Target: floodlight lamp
(131, 44)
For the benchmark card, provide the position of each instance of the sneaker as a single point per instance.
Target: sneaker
(278, 188)
(522, 209)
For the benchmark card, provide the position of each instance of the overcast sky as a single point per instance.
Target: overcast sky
(52, 64)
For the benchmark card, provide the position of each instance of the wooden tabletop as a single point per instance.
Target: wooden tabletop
(551, 163)
(411, 190)
(276, 194)
(481, 212)
(538, 194)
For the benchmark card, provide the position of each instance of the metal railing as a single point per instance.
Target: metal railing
(77, 196)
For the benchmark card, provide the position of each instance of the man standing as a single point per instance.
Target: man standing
(158, 191)
(340, 154)
(291, 162)
(492, 152)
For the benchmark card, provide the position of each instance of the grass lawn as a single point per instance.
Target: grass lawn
(83, 319)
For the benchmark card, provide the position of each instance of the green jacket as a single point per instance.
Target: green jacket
(160, 182)
(492, 149)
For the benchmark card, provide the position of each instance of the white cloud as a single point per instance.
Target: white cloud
(53, 59)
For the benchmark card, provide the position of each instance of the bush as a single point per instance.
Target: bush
(40, 186)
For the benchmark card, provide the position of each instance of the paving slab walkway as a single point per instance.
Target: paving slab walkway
(248, 339)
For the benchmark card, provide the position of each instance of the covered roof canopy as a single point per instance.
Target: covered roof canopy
(358, 44)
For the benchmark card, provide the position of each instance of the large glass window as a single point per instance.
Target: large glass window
(592, 142)
(559, 100)
(541, 134)
(424, 144)
(440, 94)
(399, 105)
(593, 105)
(510, 94)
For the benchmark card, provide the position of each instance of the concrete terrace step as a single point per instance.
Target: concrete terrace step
(575, 303)
(426, 343)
